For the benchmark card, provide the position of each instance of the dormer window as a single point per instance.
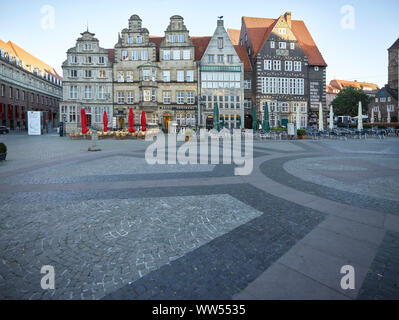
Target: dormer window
(282, 31)
(139, 39)
(272, 44)
(88, 46)
(172, 38)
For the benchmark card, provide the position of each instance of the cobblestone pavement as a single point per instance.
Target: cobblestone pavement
(115, 227)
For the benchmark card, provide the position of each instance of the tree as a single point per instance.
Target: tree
(347, 102)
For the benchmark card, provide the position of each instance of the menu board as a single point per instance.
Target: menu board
(315, 93)
(34, 123)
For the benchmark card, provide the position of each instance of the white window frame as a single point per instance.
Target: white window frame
(267, 64)
(176, 55)
(180, 75)
(187, 54)
(166, 55)
(190, 76)
(166, 97)
(180, 97)
(166, 76)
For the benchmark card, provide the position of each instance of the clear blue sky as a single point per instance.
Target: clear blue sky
(358, 54)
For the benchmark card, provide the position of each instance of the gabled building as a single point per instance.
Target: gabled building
(136, 74)
(178, 86)
(222, 81)
(289, 70)
(87, 84)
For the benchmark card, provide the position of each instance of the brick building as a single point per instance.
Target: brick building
(384, 107)
(289, 71)
(27, 84)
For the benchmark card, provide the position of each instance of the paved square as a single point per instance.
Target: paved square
(115, 227)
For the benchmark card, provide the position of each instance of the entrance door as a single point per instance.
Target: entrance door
(248, 121)
(166, 120)
(209, 123)
(88, 120)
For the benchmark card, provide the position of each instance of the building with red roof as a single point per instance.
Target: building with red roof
(289, 69)
(27, 84)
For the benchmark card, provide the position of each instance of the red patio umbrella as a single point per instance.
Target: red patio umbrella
(131, 121)
(84, 121)
(143, 121)
(105, 121)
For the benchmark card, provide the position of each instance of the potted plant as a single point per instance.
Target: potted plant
(301, 133)
(3, 151)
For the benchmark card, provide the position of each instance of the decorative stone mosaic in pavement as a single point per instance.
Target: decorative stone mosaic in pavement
(374, 176)
(328, 188)
(97, 246)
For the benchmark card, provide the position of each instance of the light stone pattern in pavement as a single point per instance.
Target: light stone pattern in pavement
(375, 176)
(99, 245)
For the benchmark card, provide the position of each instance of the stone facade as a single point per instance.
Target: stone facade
(178, 87)
(285, 77)
(87, 84)
(222, 81)
(393, 65)
(26, 88)
(136, 74)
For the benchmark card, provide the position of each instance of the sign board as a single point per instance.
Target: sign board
(291, 129)
(315, 93)
(282, 52)
(34, 123)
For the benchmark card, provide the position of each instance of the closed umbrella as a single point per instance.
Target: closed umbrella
(254, 122)
(84, 121)
(265, 124)
(143, 122)
(372, 116)
(321, 122)
(131, 121)
(216, 120)
(331, 118)
(105, 121)
(223, 124)
(360, 117)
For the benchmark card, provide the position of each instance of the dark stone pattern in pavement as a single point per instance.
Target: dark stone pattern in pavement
(226, 265)
(274, 170)
(382, 280)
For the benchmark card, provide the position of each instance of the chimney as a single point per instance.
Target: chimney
(287, 17)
